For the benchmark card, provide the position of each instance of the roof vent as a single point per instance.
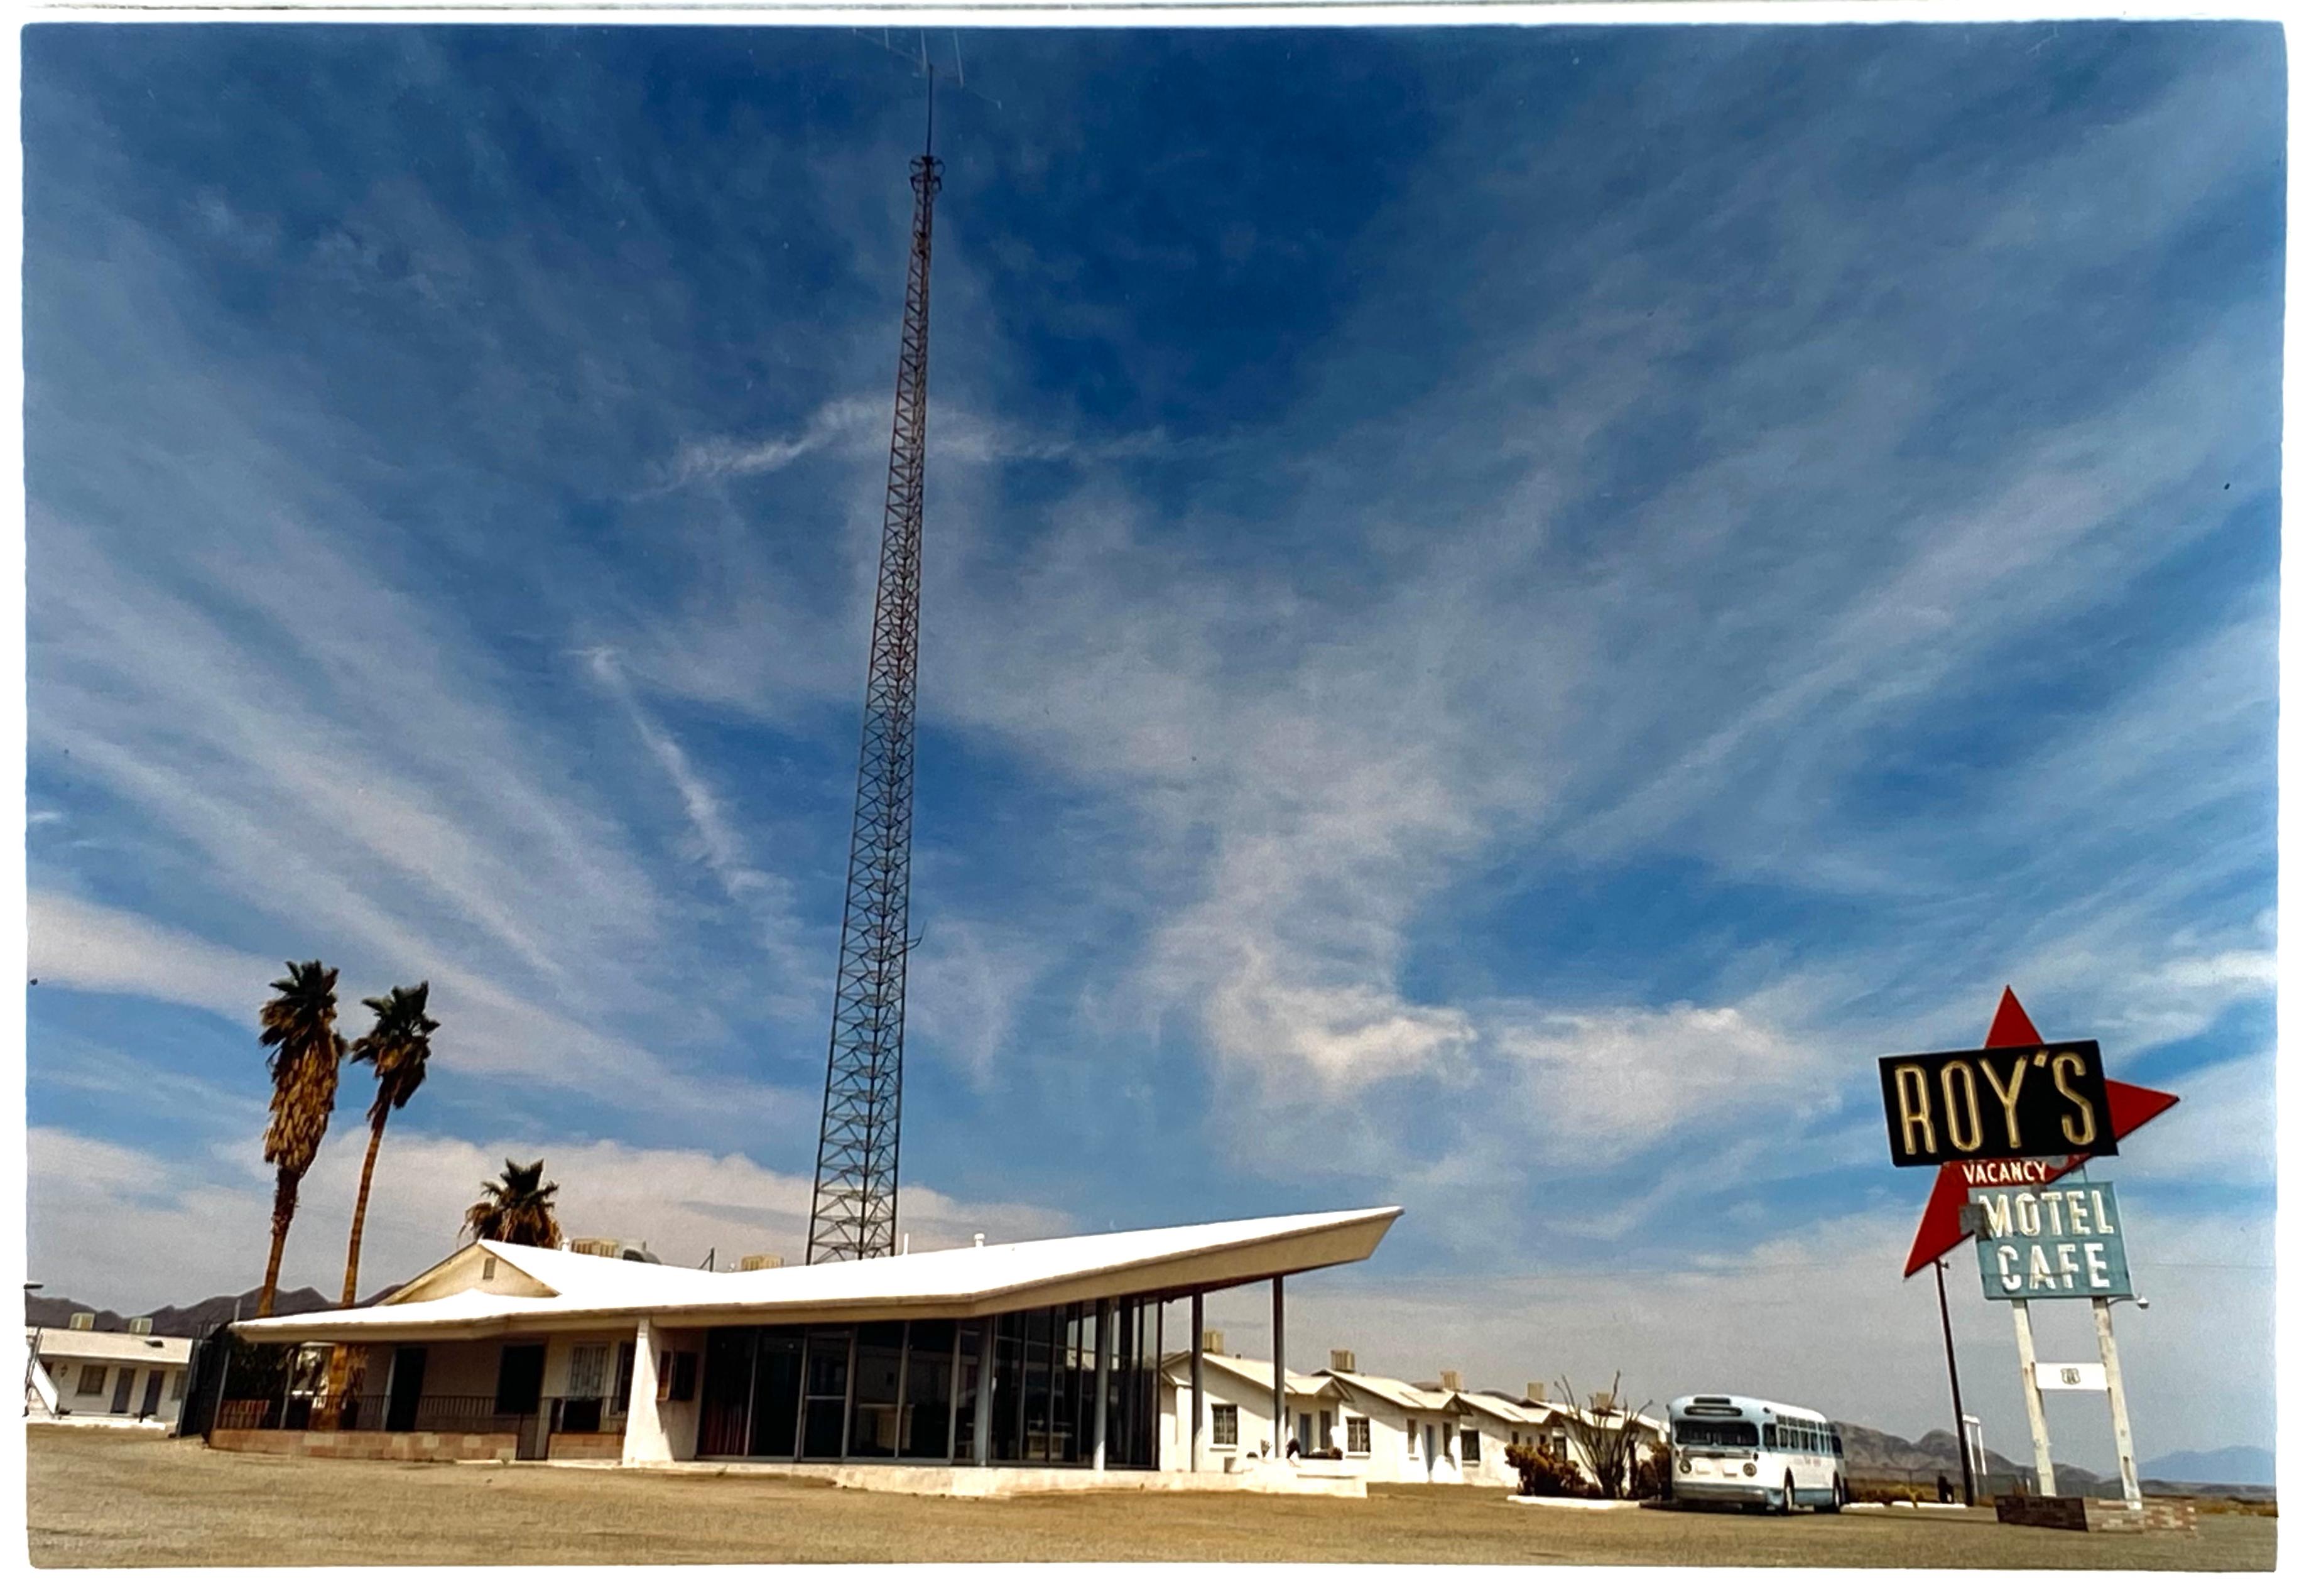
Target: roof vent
(1343, 1361)
(83, 1322)
(139, 1326)
(608, 1247)
(1450, 1379)
(1214, 1341)
(761, 1261)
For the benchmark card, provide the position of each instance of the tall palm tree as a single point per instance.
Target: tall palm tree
(300, 1027)
(398, 1043)
(518, 1208)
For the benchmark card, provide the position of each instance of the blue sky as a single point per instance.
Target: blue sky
(1504, 610)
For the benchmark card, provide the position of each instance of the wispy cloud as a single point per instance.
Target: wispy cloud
(1528, 667)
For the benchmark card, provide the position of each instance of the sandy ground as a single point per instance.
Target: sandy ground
(112, 1498)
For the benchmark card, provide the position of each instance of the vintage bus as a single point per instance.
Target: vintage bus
(1754, 1453)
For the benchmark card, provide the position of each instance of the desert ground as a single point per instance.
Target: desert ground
(111, 1498)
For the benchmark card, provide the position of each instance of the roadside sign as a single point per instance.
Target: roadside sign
(2072, 1377)
(2064, 1240)
(2040, 1099)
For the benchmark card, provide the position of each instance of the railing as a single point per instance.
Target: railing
(585, 1416)
(262, 1412)
(448, 1415)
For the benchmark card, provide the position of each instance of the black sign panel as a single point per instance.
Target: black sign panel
(2049, 1100)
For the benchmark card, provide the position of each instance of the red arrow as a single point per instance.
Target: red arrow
(2129, 1109)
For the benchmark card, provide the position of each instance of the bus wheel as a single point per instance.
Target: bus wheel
(1789, 1496)
(1835, 1495)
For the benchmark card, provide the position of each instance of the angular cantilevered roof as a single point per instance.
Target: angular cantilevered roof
(492, 1288)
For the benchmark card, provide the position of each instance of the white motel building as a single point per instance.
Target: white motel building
(1078, 1361)
(85, 1375)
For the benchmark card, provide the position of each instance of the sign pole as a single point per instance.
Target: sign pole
(1956, 1394)
(2127, 1471)
(2046, 1485)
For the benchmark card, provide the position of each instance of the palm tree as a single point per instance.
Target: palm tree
(397, 1046)
(300, 1027)
(517, 1209)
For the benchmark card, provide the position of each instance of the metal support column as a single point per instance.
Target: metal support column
(2046, 1484)
(2127, 1470)
(1279, 1410)
(1105, 1354)
(981, 1432)
(1195, 1388)
(1956, 1394)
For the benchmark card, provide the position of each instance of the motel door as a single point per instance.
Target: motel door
(406, 1384)
(151, 1402)
(121, 1389)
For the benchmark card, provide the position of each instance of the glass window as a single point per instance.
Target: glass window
(776, 1394)
(1471, 1447)
(1007, 1444)
(970, 1369)
(622, 1396)
(177, 1387)
(1715, 1432)
(926, 1406)
(1034, 1389)
(874, 1390)
(729, 1373)
(1223, 1424)
(826, 1374)
(1358, 1436)
(91, 1380)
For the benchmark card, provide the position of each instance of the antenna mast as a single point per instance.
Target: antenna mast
(854, 1208)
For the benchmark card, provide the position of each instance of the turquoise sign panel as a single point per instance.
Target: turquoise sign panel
(2061, 1241)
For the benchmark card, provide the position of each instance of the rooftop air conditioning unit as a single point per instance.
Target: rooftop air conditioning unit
(83, 1322)
(1450, 1379)
(1214, 1341)
(596, 1246)
(1534, 1391)
(761, 1261)
(1343, 1361)
(139, 1326)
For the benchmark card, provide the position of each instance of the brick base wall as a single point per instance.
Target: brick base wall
(587, 1448)
(404, 1446)
(2167, 1515)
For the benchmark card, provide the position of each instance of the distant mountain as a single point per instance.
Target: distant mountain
(2227, 1465)
(55, 1313)
(2250, 1469)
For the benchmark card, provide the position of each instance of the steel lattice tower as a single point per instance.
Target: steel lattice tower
(854, 1210)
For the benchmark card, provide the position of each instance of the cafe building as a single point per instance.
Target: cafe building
(1043, 1356)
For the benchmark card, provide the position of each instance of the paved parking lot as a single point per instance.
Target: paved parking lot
(114, 1499)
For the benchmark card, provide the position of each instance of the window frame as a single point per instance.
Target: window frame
(1353, 1422)
(92, 1379)
(1229, 1417)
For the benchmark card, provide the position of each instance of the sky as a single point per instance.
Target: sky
(1504, 610)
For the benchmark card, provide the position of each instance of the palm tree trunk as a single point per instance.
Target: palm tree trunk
(284, 1209)
(340, 1375)
(361, 1213)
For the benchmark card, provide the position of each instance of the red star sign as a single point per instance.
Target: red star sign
(2129, 1109)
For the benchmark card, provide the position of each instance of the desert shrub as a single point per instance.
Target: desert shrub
(1650, 1480)
(1543, 1474)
